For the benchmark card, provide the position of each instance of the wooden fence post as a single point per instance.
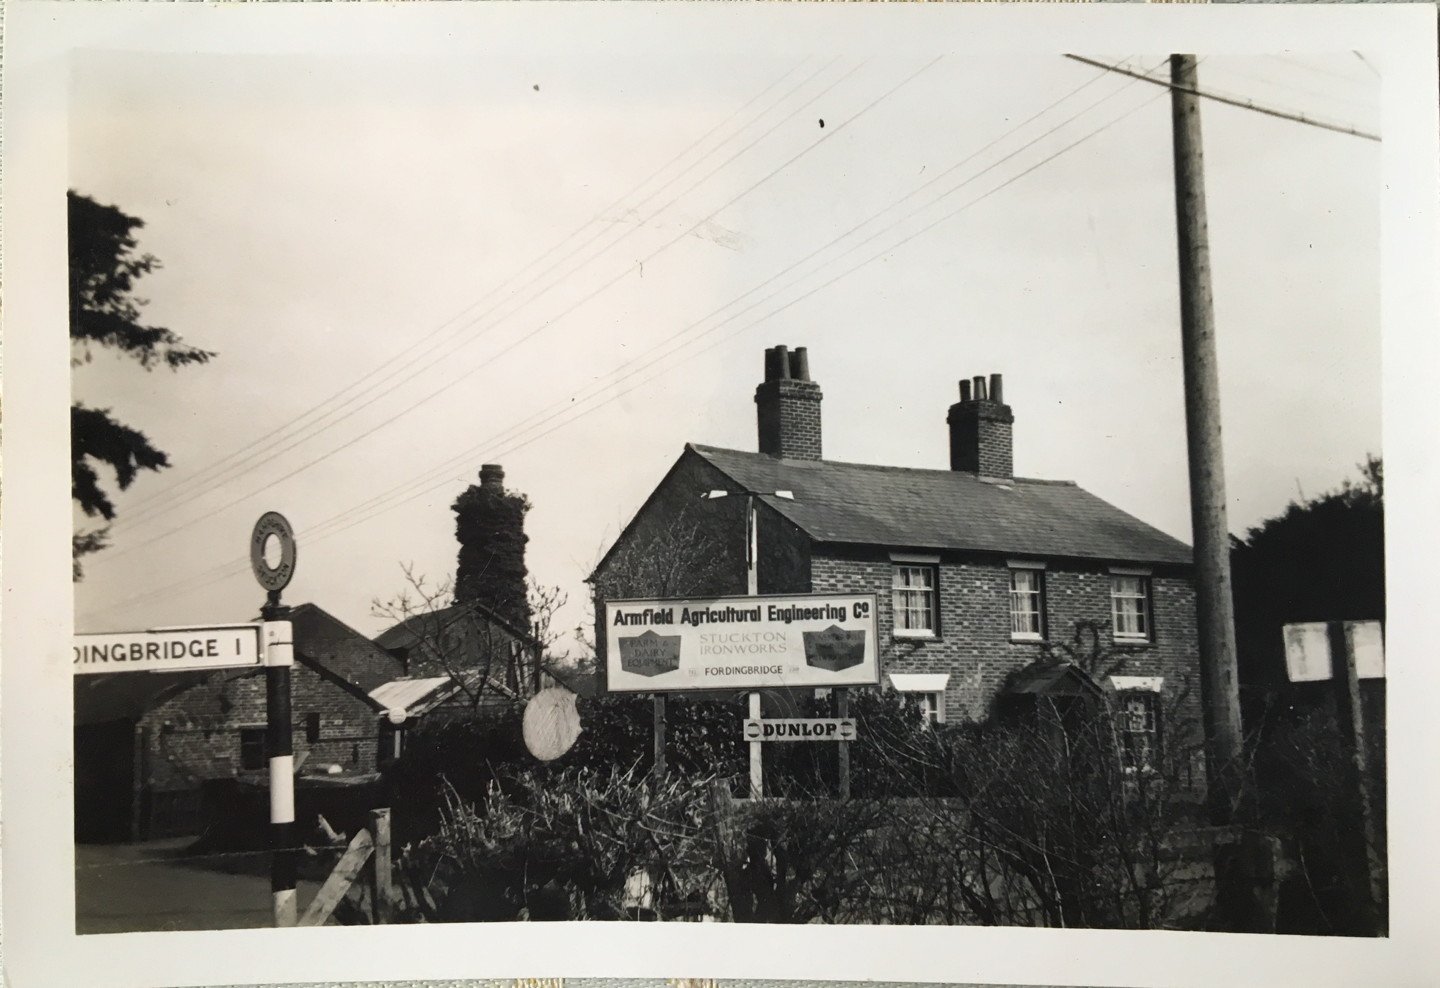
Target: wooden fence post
(658, 770)
(382, 888)
(1345, 681)
(346, 870)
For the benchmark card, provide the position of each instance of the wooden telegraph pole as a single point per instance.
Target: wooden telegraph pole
(752, 588)
(1245, 875)
(1213, 600)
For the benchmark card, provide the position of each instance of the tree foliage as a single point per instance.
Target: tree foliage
(1039, 823)
(106, 313)
(1323, 559)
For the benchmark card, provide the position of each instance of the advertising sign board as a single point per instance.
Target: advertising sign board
(173, 650)
(745, 643)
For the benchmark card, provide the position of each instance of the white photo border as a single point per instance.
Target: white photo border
(41, 947)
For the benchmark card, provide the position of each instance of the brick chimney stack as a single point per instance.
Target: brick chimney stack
(788, 406)
(982, 430)
(492, 477)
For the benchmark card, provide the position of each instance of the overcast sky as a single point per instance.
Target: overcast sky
(483, 259)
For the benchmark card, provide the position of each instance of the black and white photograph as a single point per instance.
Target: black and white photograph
(674, 477)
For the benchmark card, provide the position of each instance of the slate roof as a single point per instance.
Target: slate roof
(335, 646)
(902, 507)
(417, 627)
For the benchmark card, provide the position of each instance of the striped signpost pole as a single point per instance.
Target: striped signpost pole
(278, 640)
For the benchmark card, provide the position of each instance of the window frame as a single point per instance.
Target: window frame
(1015, 568)
(1150, 689)
(1152, 732)
(929, 565)
(932, 706)
(247, 742)
(1146, 612)
(928, 688)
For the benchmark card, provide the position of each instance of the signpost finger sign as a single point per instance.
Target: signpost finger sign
(168, 649)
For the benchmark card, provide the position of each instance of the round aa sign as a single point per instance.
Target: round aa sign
(551, 723)
(272, 524)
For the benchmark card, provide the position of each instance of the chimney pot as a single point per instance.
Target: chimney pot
(492, 477)
(800, 364)
(982, 429)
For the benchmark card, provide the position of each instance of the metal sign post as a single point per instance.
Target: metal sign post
(279, 657)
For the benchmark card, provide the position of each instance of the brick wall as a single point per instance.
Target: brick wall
(787, 414)
(457, 641)
(195, 735)
(973, 644)
(678, 545)
(982, 438)
(784, 562)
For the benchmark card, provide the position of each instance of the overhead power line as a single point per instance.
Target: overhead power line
(516, 435)
(627, 371)
(430, 396)
(883, 252)
(1244, 104)
(227, 467)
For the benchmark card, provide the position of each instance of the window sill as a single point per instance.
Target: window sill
(1027, 640)
(915, 636)
(1132, 641)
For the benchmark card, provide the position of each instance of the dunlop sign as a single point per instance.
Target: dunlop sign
(813, 729)
(747, 643)
(168, 651)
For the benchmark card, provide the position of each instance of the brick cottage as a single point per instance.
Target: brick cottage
(979, 573)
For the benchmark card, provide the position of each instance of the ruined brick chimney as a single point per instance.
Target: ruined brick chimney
(492, 477)
(788, 406)
(982, 430)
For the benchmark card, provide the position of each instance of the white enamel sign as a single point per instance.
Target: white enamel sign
(169, 650)
(1307, 650)
(804, 640)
